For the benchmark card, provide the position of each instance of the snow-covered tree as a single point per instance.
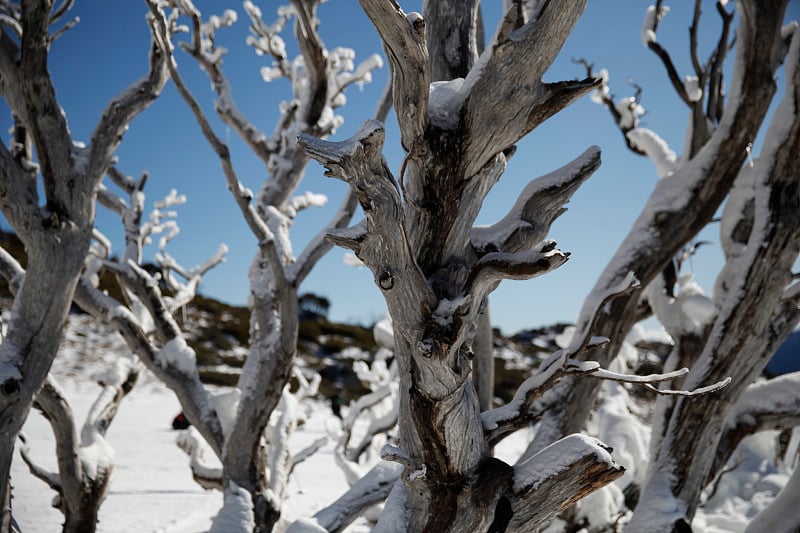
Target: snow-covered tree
(460, 113)
(252, 448)
(754, 303)
(85, 459)
(56, 227)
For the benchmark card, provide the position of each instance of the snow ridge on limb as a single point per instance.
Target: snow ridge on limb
(685, 201)
(539, 204)
(556, 477)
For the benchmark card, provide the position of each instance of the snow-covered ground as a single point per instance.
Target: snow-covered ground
(152, 489)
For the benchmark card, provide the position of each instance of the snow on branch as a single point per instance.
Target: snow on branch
(85, 465)
(540, 203)
(23, 68)
(319, 245)
(596, 305)
(764, 405)
(652, 18)
(243, 196)
(192, 443)
(781, 515)
(192, 394)
(654, 147)
(553, 479)
(625, 112)
(185, 292)
(204, 50)
(50, 478)
(500, 421)
(493, 267)
(592, 369)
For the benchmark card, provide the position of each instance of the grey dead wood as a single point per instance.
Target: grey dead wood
(754, 318)
(57, 228)
(416, 239)
(708, 176)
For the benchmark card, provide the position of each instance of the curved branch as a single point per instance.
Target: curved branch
(540, 203)
(496, 266)
(672, 72)
(225, 106)
(242, 195)
(765, 405)
(404, 40)
(315, 60)
(123, 108)
(50, 400)
(556, 477)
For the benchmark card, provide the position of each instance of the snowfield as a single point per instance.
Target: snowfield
(152, 489)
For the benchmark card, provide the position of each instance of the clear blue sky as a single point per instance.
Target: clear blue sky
(108, 49)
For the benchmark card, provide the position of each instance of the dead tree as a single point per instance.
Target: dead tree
(85, 461)
(435, 269)
(254, 458)
(56, 229)
(754, 305)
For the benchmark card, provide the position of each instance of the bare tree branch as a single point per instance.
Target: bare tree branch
(319, 246)
(558, 476)
(716, 100)
(373, 488)
(764, 405)
(123, 108)
(538, 206)
(50, 478)
(242, 196)
(211, 62)
(404, 40)
(315, 57)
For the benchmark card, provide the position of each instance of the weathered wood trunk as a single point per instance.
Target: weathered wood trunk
(56, 231)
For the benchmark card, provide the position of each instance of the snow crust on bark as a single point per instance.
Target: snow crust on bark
(177, 354)
(236, 513)
(558, 457)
